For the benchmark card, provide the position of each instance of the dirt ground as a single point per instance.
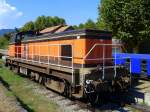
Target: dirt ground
(8, 103)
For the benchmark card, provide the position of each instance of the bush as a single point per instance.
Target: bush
(144, 47)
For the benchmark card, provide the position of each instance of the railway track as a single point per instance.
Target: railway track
(66, 104)
(71, 105)
(142, 108)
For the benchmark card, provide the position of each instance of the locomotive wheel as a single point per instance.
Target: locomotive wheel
(32, 76)
(16, 70)
(41, 79)
(36, 77)
(92, 98)
(10, 67)
(67, 89)
(6, 64)
(91, 94)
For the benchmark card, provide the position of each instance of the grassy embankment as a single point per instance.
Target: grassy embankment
(18, 86)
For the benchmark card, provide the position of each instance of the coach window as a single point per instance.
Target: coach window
(66, 52)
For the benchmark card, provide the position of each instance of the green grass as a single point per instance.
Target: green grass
(35, 102)
(9, 94)
(4, 43)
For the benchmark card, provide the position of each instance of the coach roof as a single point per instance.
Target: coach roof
(87, 33)
(71, 34)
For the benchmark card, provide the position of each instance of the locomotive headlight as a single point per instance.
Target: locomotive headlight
(78, 37)
(89, 87)
(89, 81)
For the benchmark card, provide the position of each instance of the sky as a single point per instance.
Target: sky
(15, 13)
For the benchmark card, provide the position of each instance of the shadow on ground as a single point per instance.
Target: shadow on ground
(22, 104)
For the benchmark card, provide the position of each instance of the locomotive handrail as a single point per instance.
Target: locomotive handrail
(72, 62)
(103, 58)
(24, 56)
(100, 45)
(39, 54)
(107, 58)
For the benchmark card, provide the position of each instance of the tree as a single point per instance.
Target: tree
(90, 24)
(43, 22)
(7, 36)
(81, 26)
(40, 23)
(28, 26)
(146, 18)
(54, 21)
(126, 19)
(4, 40)
(58, 21)
(75, 27)
(49, 21)
(100, 24)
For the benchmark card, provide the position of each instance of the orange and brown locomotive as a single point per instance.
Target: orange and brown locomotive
(76, 63)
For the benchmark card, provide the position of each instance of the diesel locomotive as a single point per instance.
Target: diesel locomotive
(75, 63)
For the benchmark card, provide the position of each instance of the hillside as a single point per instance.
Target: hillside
(3, 31)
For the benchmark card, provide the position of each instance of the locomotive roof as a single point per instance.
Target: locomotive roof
(72, 34)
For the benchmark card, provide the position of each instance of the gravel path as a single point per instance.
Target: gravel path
(8, 102)
(64, 104)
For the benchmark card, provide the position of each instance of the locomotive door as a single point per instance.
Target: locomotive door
(25, 51)
(18, 50)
